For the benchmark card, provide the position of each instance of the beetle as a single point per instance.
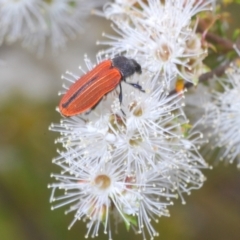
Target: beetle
(89, 89)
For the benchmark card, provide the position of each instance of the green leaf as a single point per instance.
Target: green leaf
(236, 34)
(130, 219)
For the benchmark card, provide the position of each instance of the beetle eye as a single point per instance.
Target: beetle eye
(138, 68)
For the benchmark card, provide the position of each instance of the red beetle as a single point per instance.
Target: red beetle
(88, 90)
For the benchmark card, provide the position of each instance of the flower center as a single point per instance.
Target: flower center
(164, 52)
(193, 43)
(137, 110)
(102, 182)
(116, 122)
(136, 141)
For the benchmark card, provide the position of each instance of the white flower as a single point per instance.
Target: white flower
(101, 191)
(35, 22)
(161, 35)
(19, 17)
(144, 145)
(222, 117)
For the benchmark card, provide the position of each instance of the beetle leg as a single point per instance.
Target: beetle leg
(136, 85)
(120, 94)
(120, 98)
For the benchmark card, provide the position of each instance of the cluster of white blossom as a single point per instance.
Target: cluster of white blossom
(36, 21)
(128, 166)
(222, 116)
(127, 162)
(161, 34)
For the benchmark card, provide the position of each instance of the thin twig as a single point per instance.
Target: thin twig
(218, 71)
(226, 44)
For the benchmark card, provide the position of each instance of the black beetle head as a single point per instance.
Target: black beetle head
(126, 66)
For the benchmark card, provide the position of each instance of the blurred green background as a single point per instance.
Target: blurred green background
(28, 98)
